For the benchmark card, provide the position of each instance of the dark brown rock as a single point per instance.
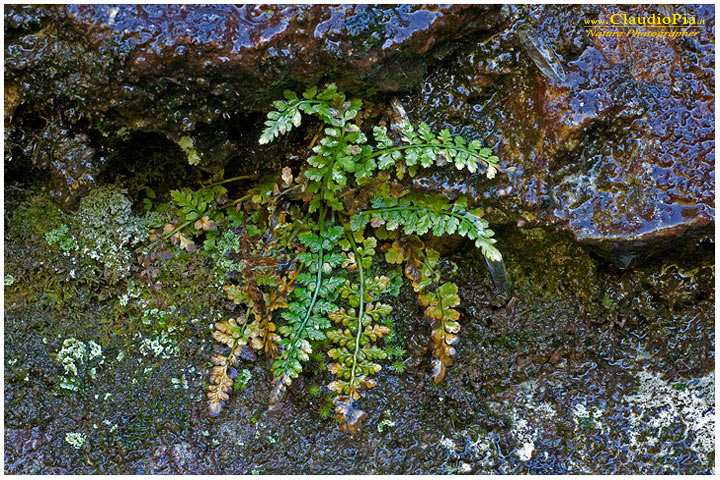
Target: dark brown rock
(189, 70)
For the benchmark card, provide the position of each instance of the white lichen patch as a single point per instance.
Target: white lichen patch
(527, 413)
(447, 443)
(95, 350)
(470, 446)
(589, 418)
(658, 405)
(651, 423)
(526, 398)
(163, 346)
(76, 439)
(484, 452)
(525, 436)
(525, 452)
(75, 355)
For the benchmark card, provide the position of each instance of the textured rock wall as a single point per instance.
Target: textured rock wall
(80, 76)
(609, 138)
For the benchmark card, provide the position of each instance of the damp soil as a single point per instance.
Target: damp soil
(557, 374)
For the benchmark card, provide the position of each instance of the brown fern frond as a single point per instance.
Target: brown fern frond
(276, 299)
(350, 418)
(256, 263)
(233, 334)
(280, 385)
(420, 268)
(444, 319)
(221, 382)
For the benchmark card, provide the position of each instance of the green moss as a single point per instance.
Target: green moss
(188, 146)
(36, 216)
(98, 241)
(543, 264)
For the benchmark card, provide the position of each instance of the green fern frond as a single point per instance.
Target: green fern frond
(422, 214)
(355, 355)
(328, 291)
(311, 302)
(288, 112)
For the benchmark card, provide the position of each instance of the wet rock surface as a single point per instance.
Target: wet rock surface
(96, 72)
(609, 138)
(611, 145)
(581, 367)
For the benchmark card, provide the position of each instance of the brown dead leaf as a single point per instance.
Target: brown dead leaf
(205, 224)
(287, 176)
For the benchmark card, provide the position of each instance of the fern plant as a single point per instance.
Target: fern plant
(320, 271)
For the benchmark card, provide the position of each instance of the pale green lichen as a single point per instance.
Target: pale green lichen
(76, 439)
(76, 354)
(103, 233)
(108, 229)
(163, 346)
(95, 349)
(133, 291)
(160, 319)
(228, 242)
(241, 381)
(113, 426)
(180, 382)
(188, 146)
(387, 422)
(62, 238)
(73, 351)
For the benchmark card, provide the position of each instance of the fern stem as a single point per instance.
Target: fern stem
(235, 202)
(177, 229)
(241, 177)
(462, 215)
(329, 170)
(314, 297)
(447, 146)
(358, 260)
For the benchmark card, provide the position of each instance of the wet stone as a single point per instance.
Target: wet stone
(611, 139)
(187, 70)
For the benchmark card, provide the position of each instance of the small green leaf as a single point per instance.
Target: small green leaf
(310, 93)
